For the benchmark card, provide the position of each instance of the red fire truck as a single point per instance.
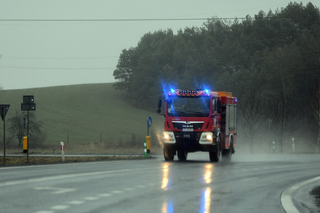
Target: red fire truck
(199, 120)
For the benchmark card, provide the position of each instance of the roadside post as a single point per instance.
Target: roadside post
(28, 105)
(23, 123)
(62, 151)
(274, 146)
(145, 148)
(148, 138)
(4, 109)
(25, 144)
(293, 146)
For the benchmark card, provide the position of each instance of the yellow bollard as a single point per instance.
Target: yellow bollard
(148, 140)
(25, 144)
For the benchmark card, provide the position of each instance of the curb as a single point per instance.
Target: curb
(286, 195)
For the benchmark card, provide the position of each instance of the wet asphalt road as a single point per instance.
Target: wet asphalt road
(249, 183)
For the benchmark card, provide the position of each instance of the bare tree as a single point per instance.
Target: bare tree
(17, 131)
(316, 113)
(282, 68)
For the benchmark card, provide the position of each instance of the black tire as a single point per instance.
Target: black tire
(168, 154)
(227, 154)
(215, 155)
(182, 155)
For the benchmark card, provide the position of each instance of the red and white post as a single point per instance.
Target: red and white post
(62, 151)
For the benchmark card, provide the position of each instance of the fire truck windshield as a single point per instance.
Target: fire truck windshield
(188, 106)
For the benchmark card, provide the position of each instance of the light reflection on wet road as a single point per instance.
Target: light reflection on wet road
(246, 184)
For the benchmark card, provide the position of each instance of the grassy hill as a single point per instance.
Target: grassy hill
(89, 113)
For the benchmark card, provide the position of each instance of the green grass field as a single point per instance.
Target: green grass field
(89, 113)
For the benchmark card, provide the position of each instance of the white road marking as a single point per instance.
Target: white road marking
(55, 190)
(45, 212)
(151, 184)
(91, 198)
(70, 176)
(116, 192)
(249, 179)
(104, 195)
(128, 189)
(141, 186)
(59, 207)
(286, 196)
(76, 202)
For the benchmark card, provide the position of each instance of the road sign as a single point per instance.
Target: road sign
(3, 110)
(28, 107)
(149, 121)
(28, 103)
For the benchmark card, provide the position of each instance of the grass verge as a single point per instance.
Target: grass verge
(19, 161)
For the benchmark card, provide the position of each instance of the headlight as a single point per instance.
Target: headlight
(209, 137)
(168, 137)
(206, 138)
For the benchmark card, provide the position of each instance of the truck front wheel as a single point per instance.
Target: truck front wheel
(215, 155)
(182, 155)
(168, 153)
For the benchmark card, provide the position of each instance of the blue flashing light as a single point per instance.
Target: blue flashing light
(236, 100)
(207, 91)
(172, 90)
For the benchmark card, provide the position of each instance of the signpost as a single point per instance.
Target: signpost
(149, 123)
(148, 139)
(4, 109)
(28, 105)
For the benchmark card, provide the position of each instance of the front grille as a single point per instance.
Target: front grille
(189, 125)
(187, 141)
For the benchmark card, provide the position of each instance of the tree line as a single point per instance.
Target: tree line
(270, 62)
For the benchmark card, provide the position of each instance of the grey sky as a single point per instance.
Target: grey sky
(42, 54)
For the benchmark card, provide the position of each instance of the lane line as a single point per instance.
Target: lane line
(116, 192)
(55, 190)
(45, 212)
(91, 198)
(59, 207)
(75, 202)
(104, 195)
(249, 179)
(70, 176)
(286, 195)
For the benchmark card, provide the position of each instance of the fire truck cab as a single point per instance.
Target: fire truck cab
(199, 120)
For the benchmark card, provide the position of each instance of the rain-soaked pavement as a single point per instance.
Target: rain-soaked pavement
(249, 183)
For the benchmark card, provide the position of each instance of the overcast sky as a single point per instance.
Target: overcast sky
(42, 54)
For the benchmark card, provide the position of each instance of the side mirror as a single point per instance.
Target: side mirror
(159, 106)
(219, 106)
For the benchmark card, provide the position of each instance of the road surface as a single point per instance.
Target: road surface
(249, 183)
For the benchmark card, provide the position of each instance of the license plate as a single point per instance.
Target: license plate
(187, 130)
(186, 136)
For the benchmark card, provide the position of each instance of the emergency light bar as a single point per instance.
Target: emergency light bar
(189, 92)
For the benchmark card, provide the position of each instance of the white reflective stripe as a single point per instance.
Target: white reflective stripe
(286, 196)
